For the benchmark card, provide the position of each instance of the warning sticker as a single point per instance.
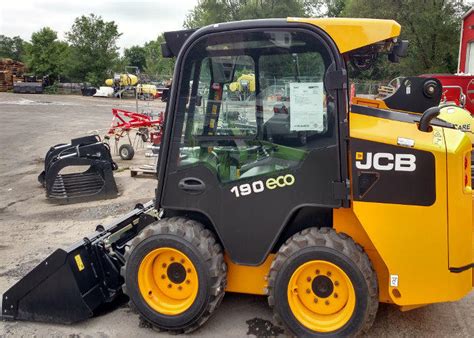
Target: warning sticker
(307, 112)
(79, 263)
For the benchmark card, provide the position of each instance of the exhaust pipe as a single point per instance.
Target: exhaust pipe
(73, 284)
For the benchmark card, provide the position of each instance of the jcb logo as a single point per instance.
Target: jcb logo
(385, 161)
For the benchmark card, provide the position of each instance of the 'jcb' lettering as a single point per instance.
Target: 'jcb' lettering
(386, 161)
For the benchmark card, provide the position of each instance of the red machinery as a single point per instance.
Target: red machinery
(145, 127)
(459, 88)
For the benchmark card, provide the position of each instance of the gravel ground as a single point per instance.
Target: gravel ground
(31, 228)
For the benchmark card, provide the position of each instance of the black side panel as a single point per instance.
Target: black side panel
(415, 94)
(389, 174)
(249, 225)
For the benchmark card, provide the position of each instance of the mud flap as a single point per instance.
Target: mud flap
(71, 285)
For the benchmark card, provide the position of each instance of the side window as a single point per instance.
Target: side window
(294, 98)
(253, 103)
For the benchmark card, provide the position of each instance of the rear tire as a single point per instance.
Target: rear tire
(322, 284)
(191, 269)
(126, 152)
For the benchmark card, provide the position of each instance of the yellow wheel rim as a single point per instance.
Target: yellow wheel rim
(168, 281)
(321, 296)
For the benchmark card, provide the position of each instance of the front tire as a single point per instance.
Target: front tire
(322, 284)
(175, 274)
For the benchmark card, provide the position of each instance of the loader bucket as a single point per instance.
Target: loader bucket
(74, 284)
(62, 289)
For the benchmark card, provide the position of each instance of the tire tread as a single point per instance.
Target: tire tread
(202, 239)
(341, 242)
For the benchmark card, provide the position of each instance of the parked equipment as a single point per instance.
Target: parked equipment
(126, 124)
(363, 212)
(95, 182)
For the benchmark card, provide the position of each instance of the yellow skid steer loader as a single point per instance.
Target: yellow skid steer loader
(325, 207)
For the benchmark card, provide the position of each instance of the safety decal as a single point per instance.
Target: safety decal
(79, 263)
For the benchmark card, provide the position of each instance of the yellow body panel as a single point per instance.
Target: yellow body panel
(350, 34)
(374, 103)
(418, 244)
(413, 240)
(460, 201)
(248, 279)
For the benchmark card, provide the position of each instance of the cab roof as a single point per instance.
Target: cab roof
(350, 34)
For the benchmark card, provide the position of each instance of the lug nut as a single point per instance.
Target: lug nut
(335, 295)
(336, 283)
(188, 281)
(169, 286)
(182, 261)
(308, 279)
(326, 302)
(163, 276)
(317, 272)
(163, 265)
(315, 300)
(172, 259)
(180, 288)
(149, 293)
(308, 290)
(329, 274)
(188, 270)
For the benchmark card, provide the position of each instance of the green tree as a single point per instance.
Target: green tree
(13, 48)
(325, 8)
(207, 12)
(93, 48)
(136, 56)
(431, 26)
(157, 66)
(46, 53)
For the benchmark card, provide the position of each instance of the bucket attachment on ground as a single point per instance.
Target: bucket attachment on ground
(74, 284)
(96, 182)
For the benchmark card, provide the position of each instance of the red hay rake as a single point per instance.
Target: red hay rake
(142, 127)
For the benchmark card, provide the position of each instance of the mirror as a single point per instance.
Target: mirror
(399, 50)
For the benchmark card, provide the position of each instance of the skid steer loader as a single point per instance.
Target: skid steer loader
(375, 205)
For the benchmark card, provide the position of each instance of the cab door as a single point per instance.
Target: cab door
(255, 134)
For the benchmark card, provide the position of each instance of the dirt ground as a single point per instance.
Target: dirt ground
(31, 228)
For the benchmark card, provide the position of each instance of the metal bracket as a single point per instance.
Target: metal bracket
(336, 79)
(341, 190)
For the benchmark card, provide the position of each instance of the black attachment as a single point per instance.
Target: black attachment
(61, 148)
(95, 182)
(73, 284)
(415, 94)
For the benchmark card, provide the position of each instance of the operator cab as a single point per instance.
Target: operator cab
(259, 114)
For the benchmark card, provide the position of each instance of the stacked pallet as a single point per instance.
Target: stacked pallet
(10, 71)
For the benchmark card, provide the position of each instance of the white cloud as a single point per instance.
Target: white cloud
(138, 21)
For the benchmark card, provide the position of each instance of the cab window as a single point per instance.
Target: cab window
(253, 103)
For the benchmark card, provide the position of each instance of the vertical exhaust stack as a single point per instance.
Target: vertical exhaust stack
(73, 284)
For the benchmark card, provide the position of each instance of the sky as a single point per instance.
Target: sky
(138, 21)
